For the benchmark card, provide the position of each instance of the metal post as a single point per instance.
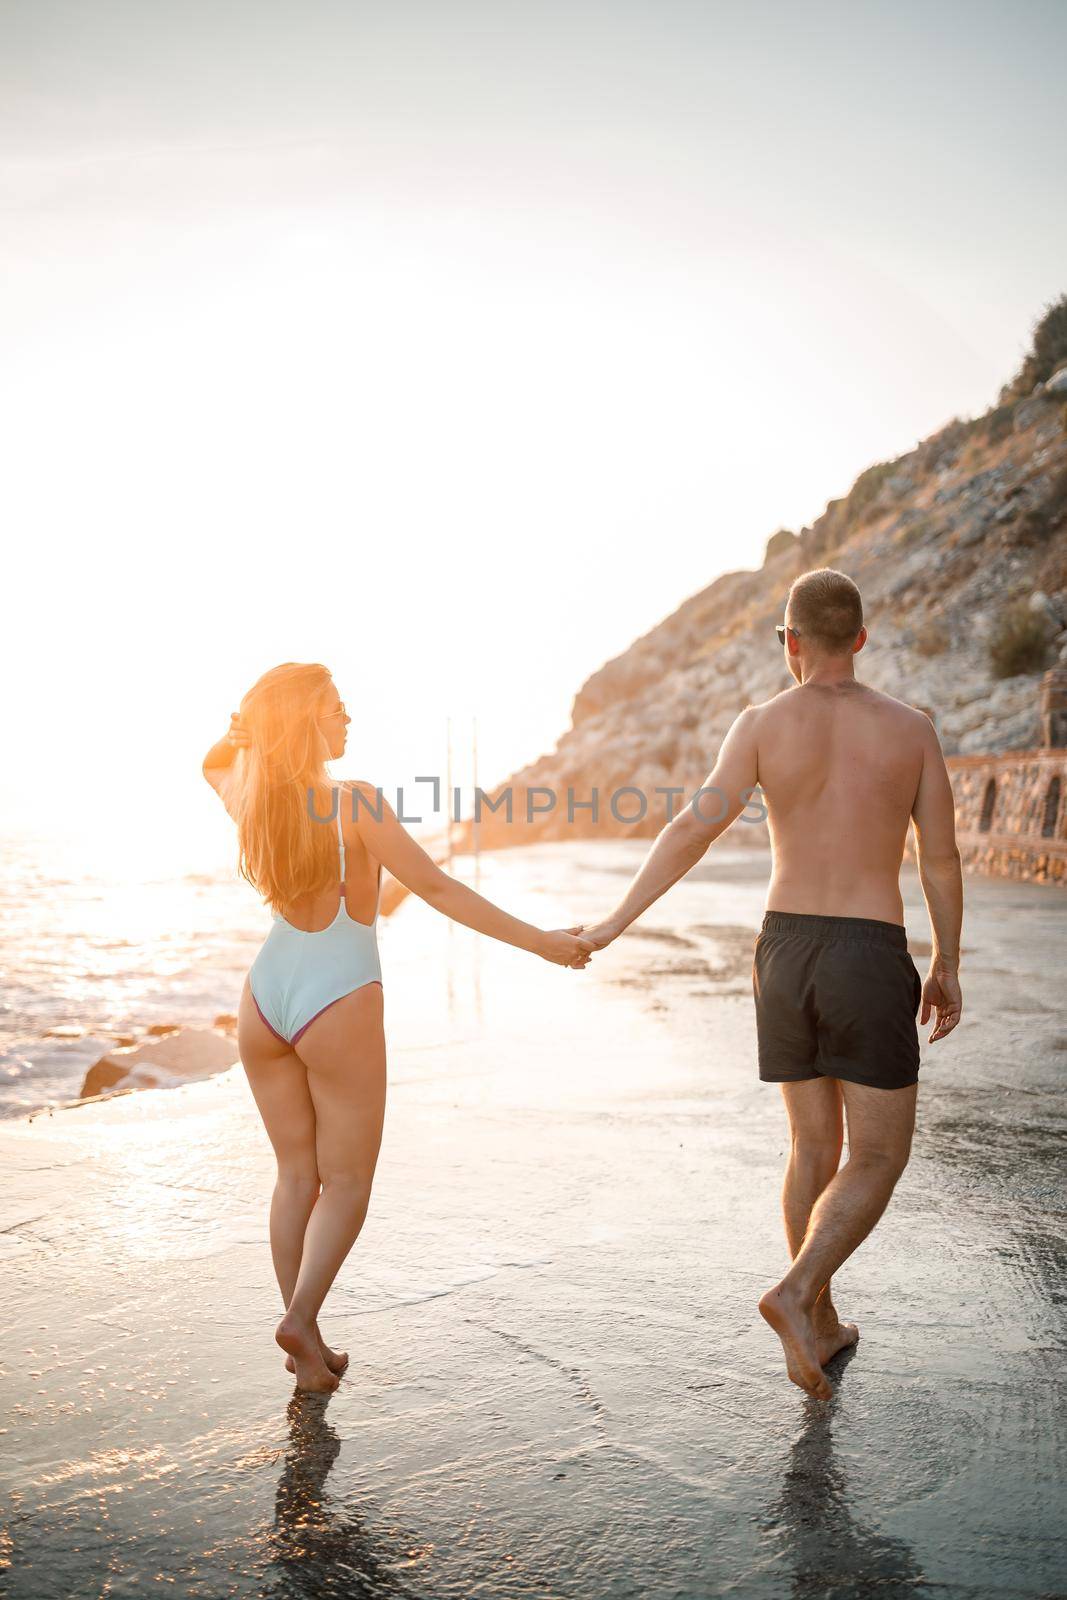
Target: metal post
(448, 791)
(476, 825)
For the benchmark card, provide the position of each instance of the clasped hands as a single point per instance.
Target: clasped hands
(573, 947)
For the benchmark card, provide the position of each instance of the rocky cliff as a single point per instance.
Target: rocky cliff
(959, 549)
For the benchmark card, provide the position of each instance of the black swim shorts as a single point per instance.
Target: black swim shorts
(836, 997)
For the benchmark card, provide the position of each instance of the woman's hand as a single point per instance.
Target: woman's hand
(565, 947)
(602, 934)
(219, 761)
(237, 734)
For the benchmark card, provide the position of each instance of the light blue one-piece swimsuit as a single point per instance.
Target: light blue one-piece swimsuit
(297, 975)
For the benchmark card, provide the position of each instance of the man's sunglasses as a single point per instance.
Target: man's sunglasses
(781, 630)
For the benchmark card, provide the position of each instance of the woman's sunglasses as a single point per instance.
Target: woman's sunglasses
(338, 711)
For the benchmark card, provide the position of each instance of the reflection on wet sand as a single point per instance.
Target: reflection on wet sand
(829, 1550)
(318, 1548)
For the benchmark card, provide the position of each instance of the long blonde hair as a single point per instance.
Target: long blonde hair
(283, 852)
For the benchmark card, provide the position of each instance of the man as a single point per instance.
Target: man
(842, 768)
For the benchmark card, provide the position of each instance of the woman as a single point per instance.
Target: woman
(309, 1026)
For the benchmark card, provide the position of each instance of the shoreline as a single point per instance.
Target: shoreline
(138, 1057)
(132, 1051)
(175, 1046)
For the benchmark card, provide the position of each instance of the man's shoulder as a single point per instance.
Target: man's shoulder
(754, 714)
(796, 701)
(761, 710)
(914, 716)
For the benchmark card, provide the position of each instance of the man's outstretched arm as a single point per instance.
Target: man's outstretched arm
(726, 792)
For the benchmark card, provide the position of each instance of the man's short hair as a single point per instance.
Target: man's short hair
(825, 607)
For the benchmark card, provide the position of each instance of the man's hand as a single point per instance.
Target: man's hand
(941, 993)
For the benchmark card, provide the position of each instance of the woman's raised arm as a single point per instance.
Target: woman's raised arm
(218, 763)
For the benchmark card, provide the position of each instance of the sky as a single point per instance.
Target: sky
(454, 344)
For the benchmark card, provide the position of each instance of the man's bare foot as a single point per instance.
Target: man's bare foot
(300, 1340)
(830, 1341)
(831, 1334)
(793, 1325)
(336, 1360)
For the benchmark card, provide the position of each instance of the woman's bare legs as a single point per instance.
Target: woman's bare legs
(344, 1054)
(278, 1080)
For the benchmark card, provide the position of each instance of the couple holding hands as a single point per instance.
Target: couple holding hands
(843, 770)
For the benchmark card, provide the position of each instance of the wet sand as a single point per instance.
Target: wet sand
(559, 1383)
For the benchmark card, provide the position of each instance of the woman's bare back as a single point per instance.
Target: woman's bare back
(313, 912)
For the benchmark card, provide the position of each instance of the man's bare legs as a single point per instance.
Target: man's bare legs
(815, 1110)
(880, 1126)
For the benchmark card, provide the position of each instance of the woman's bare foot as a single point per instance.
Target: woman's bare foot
(793, 1325)
(301, 1341)
(336, 1360)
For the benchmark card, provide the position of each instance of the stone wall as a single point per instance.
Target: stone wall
(1011, 813)
(1011, 809)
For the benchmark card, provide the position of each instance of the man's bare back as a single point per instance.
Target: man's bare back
(839, 769)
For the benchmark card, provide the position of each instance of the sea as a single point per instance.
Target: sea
(94, 954)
